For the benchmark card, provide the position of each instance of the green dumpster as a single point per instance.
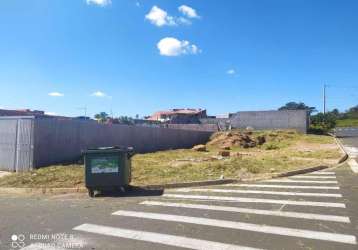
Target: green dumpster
(107, 168)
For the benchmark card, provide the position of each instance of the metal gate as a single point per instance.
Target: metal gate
(16, 143)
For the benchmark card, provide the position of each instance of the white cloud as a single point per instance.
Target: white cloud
(56, 94)
(101, 94)
(160, 17)
(231, 72)
(183, 20)
(99, 2)
(188, 11)
(50, 113)
(170, 46)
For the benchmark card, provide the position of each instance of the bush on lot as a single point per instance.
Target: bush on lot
(322, 123)
(271, 146)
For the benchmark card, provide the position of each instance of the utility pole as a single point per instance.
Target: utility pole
(84, 109)
(111, 113)
(324, 98)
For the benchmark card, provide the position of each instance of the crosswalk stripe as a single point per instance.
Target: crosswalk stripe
(354, 165)
(322, 173)
(165, 239)
(281, 186)
(255, 200)
(299, 181)
(317, 235)
(244, 191)
(352, 151)
(313, 177)
(308, 216)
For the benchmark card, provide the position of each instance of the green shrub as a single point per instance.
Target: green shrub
(322, 123)
(271, 146)
(317, 130)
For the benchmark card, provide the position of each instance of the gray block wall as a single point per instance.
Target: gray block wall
(196, 127)
(27, 143)
(285, 119)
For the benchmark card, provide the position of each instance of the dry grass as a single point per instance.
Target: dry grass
(283, 150)
(54, 176)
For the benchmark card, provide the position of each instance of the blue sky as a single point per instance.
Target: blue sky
(136, 57)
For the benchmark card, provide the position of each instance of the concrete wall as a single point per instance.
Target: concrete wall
(221, 123)
(286, 119)
(195, 127)
(58, 141)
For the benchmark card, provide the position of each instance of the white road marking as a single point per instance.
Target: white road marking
(317, 235)
(312, 177)
(299, 181)
(41, 246)
(308, 216)
(255, 200)
(165, 239)
(354, 165)
(244, 191)
(322, 173)
(351, 151)
(281, 186)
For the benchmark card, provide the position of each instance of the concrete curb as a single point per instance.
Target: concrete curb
(191, 184)
(286, 174)
(345, 156)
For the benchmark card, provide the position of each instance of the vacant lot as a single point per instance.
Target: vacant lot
(249, 156)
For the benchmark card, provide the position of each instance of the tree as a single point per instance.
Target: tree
(335, 112)
(323, 122)
(298, 105)
(126, 120)
(102, 117)
(352, 113)
(353, 109)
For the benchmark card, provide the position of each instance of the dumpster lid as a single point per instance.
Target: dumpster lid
(108, 149)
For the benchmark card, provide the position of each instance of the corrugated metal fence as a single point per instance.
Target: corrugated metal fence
(16, 143)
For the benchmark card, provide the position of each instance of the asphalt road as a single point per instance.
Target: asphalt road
(349, 139)
(312, 211)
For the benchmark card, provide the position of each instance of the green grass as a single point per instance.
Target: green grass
(284, 150)
(351, 122)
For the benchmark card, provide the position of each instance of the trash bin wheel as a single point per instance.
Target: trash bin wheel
(91, 192)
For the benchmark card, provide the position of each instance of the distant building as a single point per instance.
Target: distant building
(87, 118)
(21, 112)
(179, 116)
(37, 113)
(223, 116)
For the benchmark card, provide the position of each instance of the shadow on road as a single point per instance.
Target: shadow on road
(132, 192)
